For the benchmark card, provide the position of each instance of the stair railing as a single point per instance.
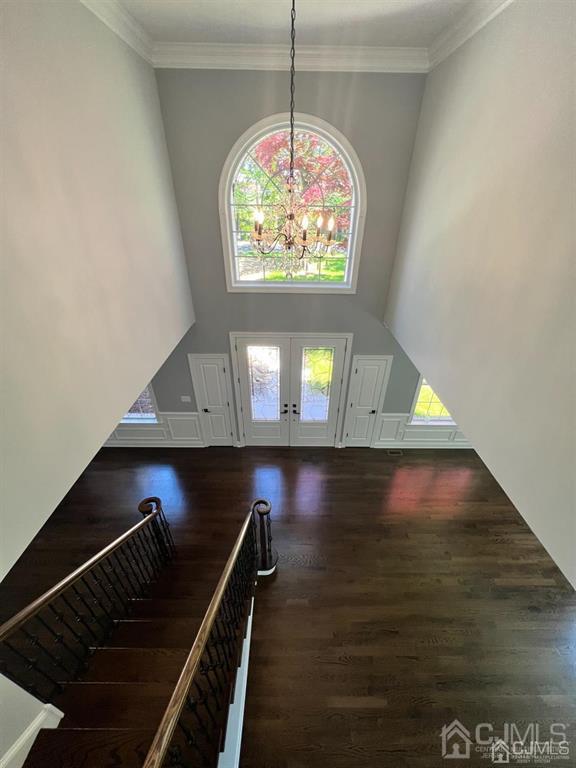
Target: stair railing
(48, 643)
(193, 729)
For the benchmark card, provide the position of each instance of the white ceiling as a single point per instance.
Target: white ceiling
(382, 23)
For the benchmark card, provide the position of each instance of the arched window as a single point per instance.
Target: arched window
(330, 183)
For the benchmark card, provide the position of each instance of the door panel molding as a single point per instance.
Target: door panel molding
(369, 377)
(214, 397)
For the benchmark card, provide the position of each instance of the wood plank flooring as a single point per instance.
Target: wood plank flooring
(409, 592)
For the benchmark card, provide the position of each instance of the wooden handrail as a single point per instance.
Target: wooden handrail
(159, 747)
(36, 605)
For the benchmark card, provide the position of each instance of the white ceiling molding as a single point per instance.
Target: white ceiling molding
(123, 24)
(311, 58)
(473, 18)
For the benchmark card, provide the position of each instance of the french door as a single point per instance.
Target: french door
(290, 388)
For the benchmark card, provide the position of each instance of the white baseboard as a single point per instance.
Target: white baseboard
(48, 717)
(230, 757)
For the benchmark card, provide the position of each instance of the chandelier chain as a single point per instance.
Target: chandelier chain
(292, 86)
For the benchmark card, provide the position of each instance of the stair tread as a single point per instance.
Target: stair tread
(174, 607)
(90, 748)
(136, 665)
(156, 633)
(114, 705)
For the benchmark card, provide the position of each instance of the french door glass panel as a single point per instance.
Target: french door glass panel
(317, 367)
(264, 377)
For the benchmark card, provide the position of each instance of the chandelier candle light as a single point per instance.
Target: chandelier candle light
(289, 223)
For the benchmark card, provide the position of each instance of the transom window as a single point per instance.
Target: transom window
(330, 184)
(429, 409)
(143, 410)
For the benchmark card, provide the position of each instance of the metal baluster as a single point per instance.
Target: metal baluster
(80, 598)
(78, 617)
(61, 617)
(104, 596)
(142, 544)
(202, 699)
(214, 666)
(142, 561)
(109, 584)
(59, 638)
(33, 664)
(137, 565)
(155, 561)
(55, 659)
(134, 569)
(103, 618)
(205, 671)
(127, 577)
(119, 583)
(192, 742)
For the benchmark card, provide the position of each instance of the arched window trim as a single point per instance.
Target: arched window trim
(235, 156)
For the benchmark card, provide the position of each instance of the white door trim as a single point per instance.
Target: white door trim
(225, 358)
(348, 337)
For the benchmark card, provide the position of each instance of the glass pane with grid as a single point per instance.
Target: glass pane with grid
(143, 409)
(326, 189)
(429, 408)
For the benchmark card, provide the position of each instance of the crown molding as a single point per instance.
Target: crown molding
(472, 19)
(311, 58)
(123, 24)
(317, 58)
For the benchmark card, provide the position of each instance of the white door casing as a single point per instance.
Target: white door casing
(289, 386)
(368, 382)
(213, 391)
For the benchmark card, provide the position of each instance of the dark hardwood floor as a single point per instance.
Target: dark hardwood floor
(409, 592)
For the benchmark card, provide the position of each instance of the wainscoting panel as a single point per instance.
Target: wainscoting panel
(184, 429)
(173, 429)
(184, 426)
(393, 431)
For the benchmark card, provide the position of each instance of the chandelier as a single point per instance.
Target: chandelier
(288, 223)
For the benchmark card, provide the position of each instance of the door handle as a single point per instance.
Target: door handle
(205, 410)
(283, 412)
(296, 413)
(372, 411)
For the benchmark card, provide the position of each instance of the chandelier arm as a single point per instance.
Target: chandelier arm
(272, 245)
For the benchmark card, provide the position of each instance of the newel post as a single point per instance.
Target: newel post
(267, 555)
(160, 526)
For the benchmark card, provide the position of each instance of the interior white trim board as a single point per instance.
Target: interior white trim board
(15, 757)
(316, 58)
(311, 58)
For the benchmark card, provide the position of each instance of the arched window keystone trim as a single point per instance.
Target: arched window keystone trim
(237, 156)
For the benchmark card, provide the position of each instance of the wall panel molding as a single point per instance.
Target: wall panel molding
(184, 430)
(393, 430)
(174, 428)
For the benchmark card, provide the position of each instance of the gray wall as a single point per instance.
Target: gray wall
(91, 245)
(204, 114)
(483, 290)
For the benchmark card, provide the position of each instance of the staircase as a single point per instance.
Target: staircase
(114, 705)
